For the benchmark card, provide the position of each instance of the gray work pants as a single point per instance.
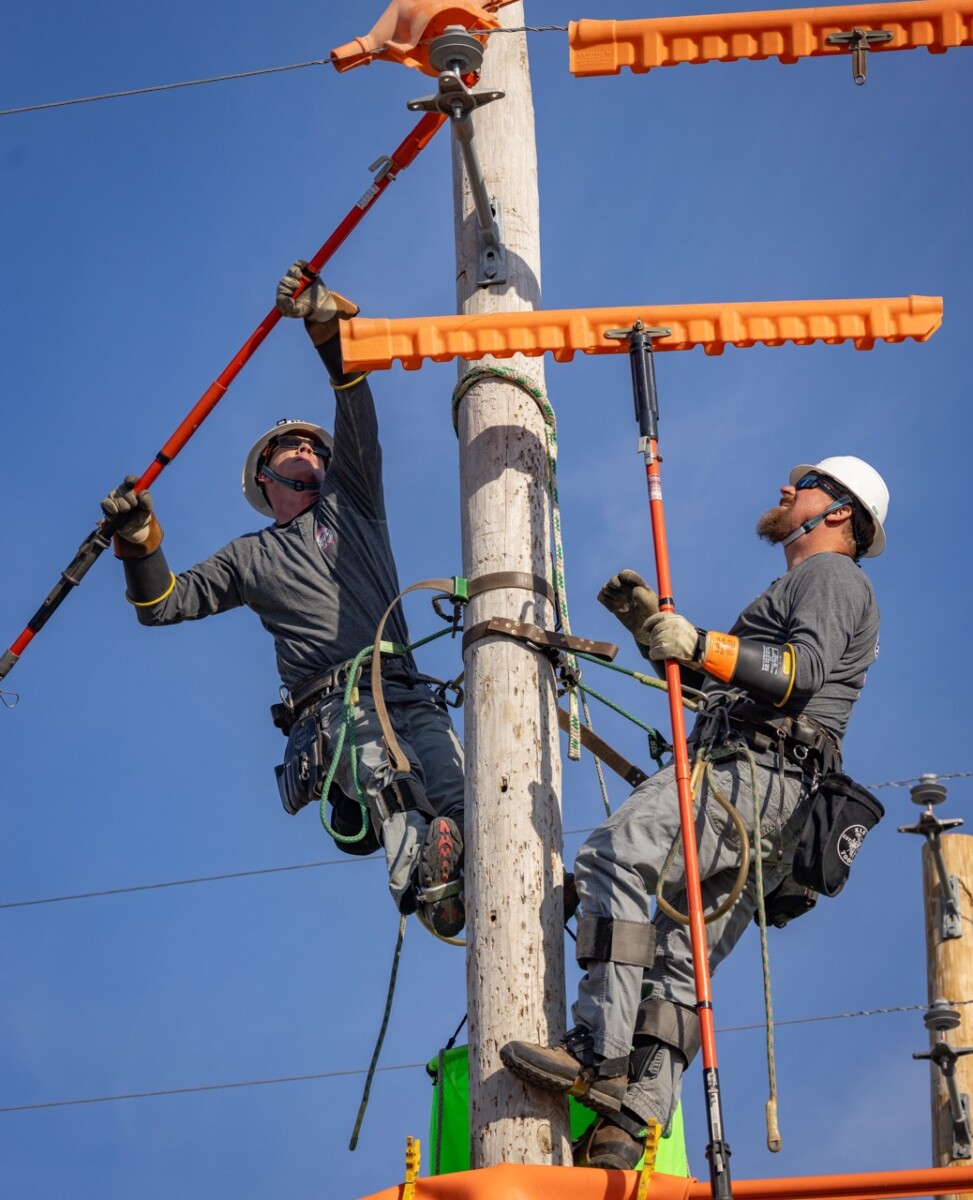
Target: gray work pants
(427, 738)
(617, 873)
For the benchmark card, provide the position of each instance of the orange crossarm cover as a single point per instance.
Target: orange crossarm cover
(403, 32)
(604, 47)
(375, 343)
(569, 1183)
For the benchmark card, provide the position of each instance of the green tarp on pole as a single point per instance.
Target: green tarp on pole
(449, 1122)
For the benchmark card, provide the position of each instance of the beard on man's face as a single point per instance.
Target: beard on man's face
(775, 524)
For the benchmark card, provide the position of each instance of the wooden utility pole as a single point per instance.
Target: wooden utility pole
(949, 963)
(515, 956)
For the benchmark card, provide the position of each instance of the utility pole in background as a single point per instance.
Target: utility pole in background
(947, 868)
(515, 955)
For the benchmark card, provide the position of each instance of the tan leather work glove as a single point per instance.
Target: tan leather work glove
(140, 532)
(668, 635)
(320, 307)
(630, 598)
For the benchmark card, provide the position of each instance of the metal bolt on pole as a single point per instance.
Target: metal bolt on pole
(928, 792)
(939, 1019)
(454, 54)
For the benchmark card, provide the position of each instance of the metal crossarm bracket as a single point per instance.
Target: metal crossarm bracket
(859, 41)
(928, 792)
(939, 1019)
(455, 54)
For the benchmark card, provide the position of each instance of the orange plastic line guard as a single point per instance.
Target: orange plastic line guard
(373, 344)
(403, 32)
(568, 1183)
(604, 47)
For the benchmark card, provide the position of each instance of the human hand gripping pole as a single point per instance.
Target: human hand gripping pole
(386, 168)
(640, 338)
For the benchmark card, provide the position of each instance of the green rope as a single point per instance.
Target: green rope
(381, 1036)
(734, 750)
(536, 392)
(657, 743)
(646, 680)
(347, 733)
(773, 1133)
(347, 730)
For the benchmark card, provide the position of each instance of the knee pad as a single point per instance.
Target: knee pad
(662, 1025)
(603, 939)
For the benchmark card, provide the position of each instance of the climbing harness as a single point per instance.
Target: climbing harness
(386, 169)
(639, 338)
(308, 773)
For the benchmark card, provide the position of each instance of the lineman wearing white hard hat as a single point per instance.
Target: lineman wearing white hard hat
(320, 578)
(778, 689)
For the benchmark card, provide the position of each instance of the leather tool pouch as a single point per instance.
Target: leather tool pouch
(842, 812)
(304, 768)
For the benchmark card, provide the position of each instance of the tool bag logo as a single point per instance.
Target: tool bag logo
(849, 843)
(840, 815)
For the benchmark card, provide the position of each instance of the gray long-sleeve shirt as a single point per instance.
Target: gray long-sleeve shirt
(826, 609)
(318, 583)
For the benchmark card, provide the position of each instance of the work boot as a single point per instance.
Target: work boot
(439, 884)
(614, 1143)
(572, 1067)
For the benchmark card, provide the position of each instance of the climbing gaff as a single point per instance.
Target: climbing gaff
(639, 338)
(386, 169)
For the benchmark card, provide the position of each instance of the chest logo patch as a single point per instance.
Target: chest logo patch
(324, 535)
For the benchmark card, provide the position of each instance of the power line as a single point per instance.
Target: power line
(206, 1087)
(330, 862)
(920, 779)
(165, 87)
(252, 1083)
(169, 87)
(349, 860)
(149, 887)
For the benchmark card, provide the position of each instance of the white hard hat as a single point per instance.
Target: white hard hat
(251, 489)
(864, 483)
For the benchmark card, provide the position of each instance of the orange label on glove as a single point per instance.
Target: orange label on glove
(720, 659)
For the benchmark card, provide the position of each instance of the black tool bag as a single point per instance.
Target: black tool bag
(300, 780)
(303, 771)
(787, 902)
(842, 813)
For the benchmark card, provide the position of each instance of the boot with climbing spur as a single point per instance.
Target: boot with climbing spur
(614, 1143)
(573, 1068)
(439, 883)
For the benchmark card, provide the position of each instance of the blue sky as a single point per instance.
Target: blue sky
(141, 242)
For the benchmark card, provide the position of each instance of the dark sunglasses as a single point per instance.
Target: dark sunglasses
(813, 480)
(294, 442)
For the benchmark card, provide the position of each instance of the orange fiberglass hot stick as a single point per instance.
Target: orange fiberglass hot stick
(100, 537)
(639, 339)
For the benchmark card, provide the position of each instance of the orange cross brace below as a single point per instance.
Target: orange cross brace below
(375, 343)
(604, 47)
(568, 1183)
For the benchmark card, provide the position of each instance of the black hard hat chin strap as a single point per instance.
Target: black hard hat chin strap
(296, 485)
(810, 524)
